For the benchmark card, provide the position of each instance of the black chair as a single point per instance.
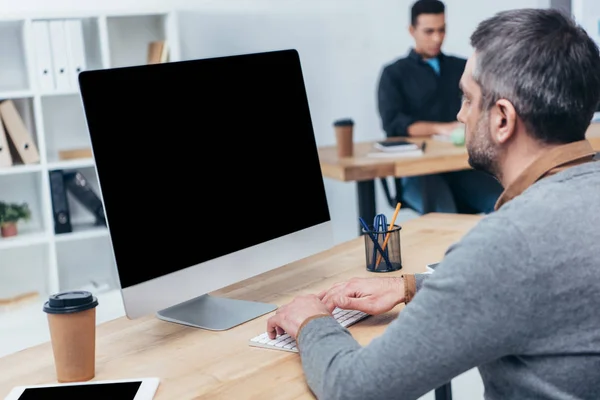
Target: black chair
(394, 199)
(428, 193)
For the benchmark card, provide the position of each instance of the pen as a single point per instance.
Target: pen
(375, 243)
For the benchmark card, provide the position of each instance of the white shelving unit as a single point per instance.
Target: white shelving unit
(38, 259)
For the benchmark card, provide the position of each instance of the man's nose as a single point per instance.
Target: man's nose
(459, 116)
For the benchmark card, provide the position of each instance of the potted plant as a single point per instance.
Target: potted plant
(10, 214)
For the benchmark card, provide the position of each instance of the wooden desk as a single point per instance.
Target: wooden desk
(199, 364)
(439, 157)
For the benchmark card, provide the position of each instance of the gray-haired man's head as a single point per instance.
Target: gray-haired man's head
(534, 67)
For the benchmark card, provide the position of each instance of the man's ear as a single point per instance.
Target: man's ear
(411, 30)
(503, 121)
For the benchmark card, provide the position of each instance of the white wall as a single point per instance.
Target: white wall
(343, 45)
(343, 50)
(587, 13)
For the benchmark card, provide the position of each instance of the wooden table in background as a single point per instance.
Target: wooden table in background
(439, 157)
(199, 364)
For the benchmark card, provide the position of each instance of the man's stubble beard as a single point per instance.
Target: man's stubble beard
(483, 153)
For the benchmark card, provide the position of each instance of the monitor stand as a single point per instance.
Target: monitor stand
(214, 313)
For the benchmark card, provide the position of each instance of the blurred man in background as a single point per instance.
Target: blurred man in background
(419, 96)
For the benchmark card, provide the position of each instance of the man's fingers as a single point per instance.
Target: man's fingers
(344, 302)
(329, 300)
(333, 292)
(332, 289)
(364, 304)
(329, 304)
(272, 325)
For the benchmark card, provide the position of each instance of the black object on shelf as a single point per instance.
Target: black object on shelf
(80, 188)
(60, 203)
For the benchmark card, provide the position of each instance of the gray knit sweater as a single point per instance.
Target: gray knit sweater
(518, 297)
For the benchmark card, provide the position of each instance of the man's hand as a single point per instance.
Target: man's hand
(288, 318)
(370, 295)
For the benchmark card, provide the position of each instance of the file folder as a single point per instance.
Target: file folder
(75, 49)
(20, 136)
(60, 56)
(79, 187)
(5, 157)
(158, 52)
(43, 55)
(60, 203)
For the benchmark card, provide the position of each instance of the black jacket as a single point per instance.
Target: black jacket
(410, 91)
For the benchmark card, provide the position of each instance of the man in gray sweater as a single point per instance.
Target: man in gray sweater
(518, 296)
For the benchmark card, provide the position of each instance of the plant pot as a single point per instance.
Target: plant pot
(8, 230)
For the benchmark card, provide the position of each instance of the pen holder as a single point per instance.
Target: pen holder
(375, 242)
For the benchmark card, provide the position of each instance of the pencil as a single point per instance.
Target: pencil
(387, 236)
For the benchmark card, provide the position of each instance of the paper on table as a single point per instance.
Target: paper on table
(395, 146)
(442, 138)
(399, 154)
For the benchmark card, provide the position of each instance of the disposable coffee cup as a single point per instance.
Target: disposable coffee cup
(72, 322)
(344, 130)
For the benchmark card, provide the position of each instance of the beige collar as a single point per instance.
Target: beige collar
(553, 161)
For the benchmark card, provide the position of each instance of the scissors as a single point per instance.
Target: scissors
(380, 223)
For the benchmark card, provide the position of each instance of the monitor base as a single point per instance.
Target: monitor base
(214, 313)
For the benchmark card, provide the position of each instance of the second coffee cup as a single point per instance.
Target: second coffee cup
(344, 135)
(72, 322)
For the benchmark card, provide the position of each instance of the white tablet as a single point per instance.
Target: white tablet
(125, 389)
(431, 267)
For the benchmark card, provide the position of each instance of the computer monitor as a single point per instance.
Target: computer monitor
(210, 175)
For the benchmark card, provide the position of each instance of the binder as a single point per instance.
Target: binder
(158, 52)
(60, 203)
(60, 56)
(20, 136)
(43, 55)
(5, 157)
(75, 154)
(79, 187)
(75, 49)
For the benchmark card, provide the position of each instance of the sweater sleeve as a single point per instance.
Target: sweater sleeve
(392, 106)
(469, 312)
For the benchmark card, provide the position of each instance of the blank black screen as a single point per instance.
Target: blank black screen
(199, 159)
(113, 391)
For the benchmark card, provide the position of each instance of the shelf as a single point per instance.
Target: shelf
(82, 232)
(14, 76)
(20, 169)
(129, 36)
(37, 258)
(17, 94)
(23, 239)
(65, 126)
(71, 92)
(71, 164)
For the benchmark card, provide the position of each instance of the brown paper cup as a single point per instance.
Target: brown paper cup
(74, 345)
(344, 130)
(345, 143)
(73, 335)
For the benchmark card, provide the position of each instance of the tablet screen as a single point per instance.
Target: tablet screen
(121, 391)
